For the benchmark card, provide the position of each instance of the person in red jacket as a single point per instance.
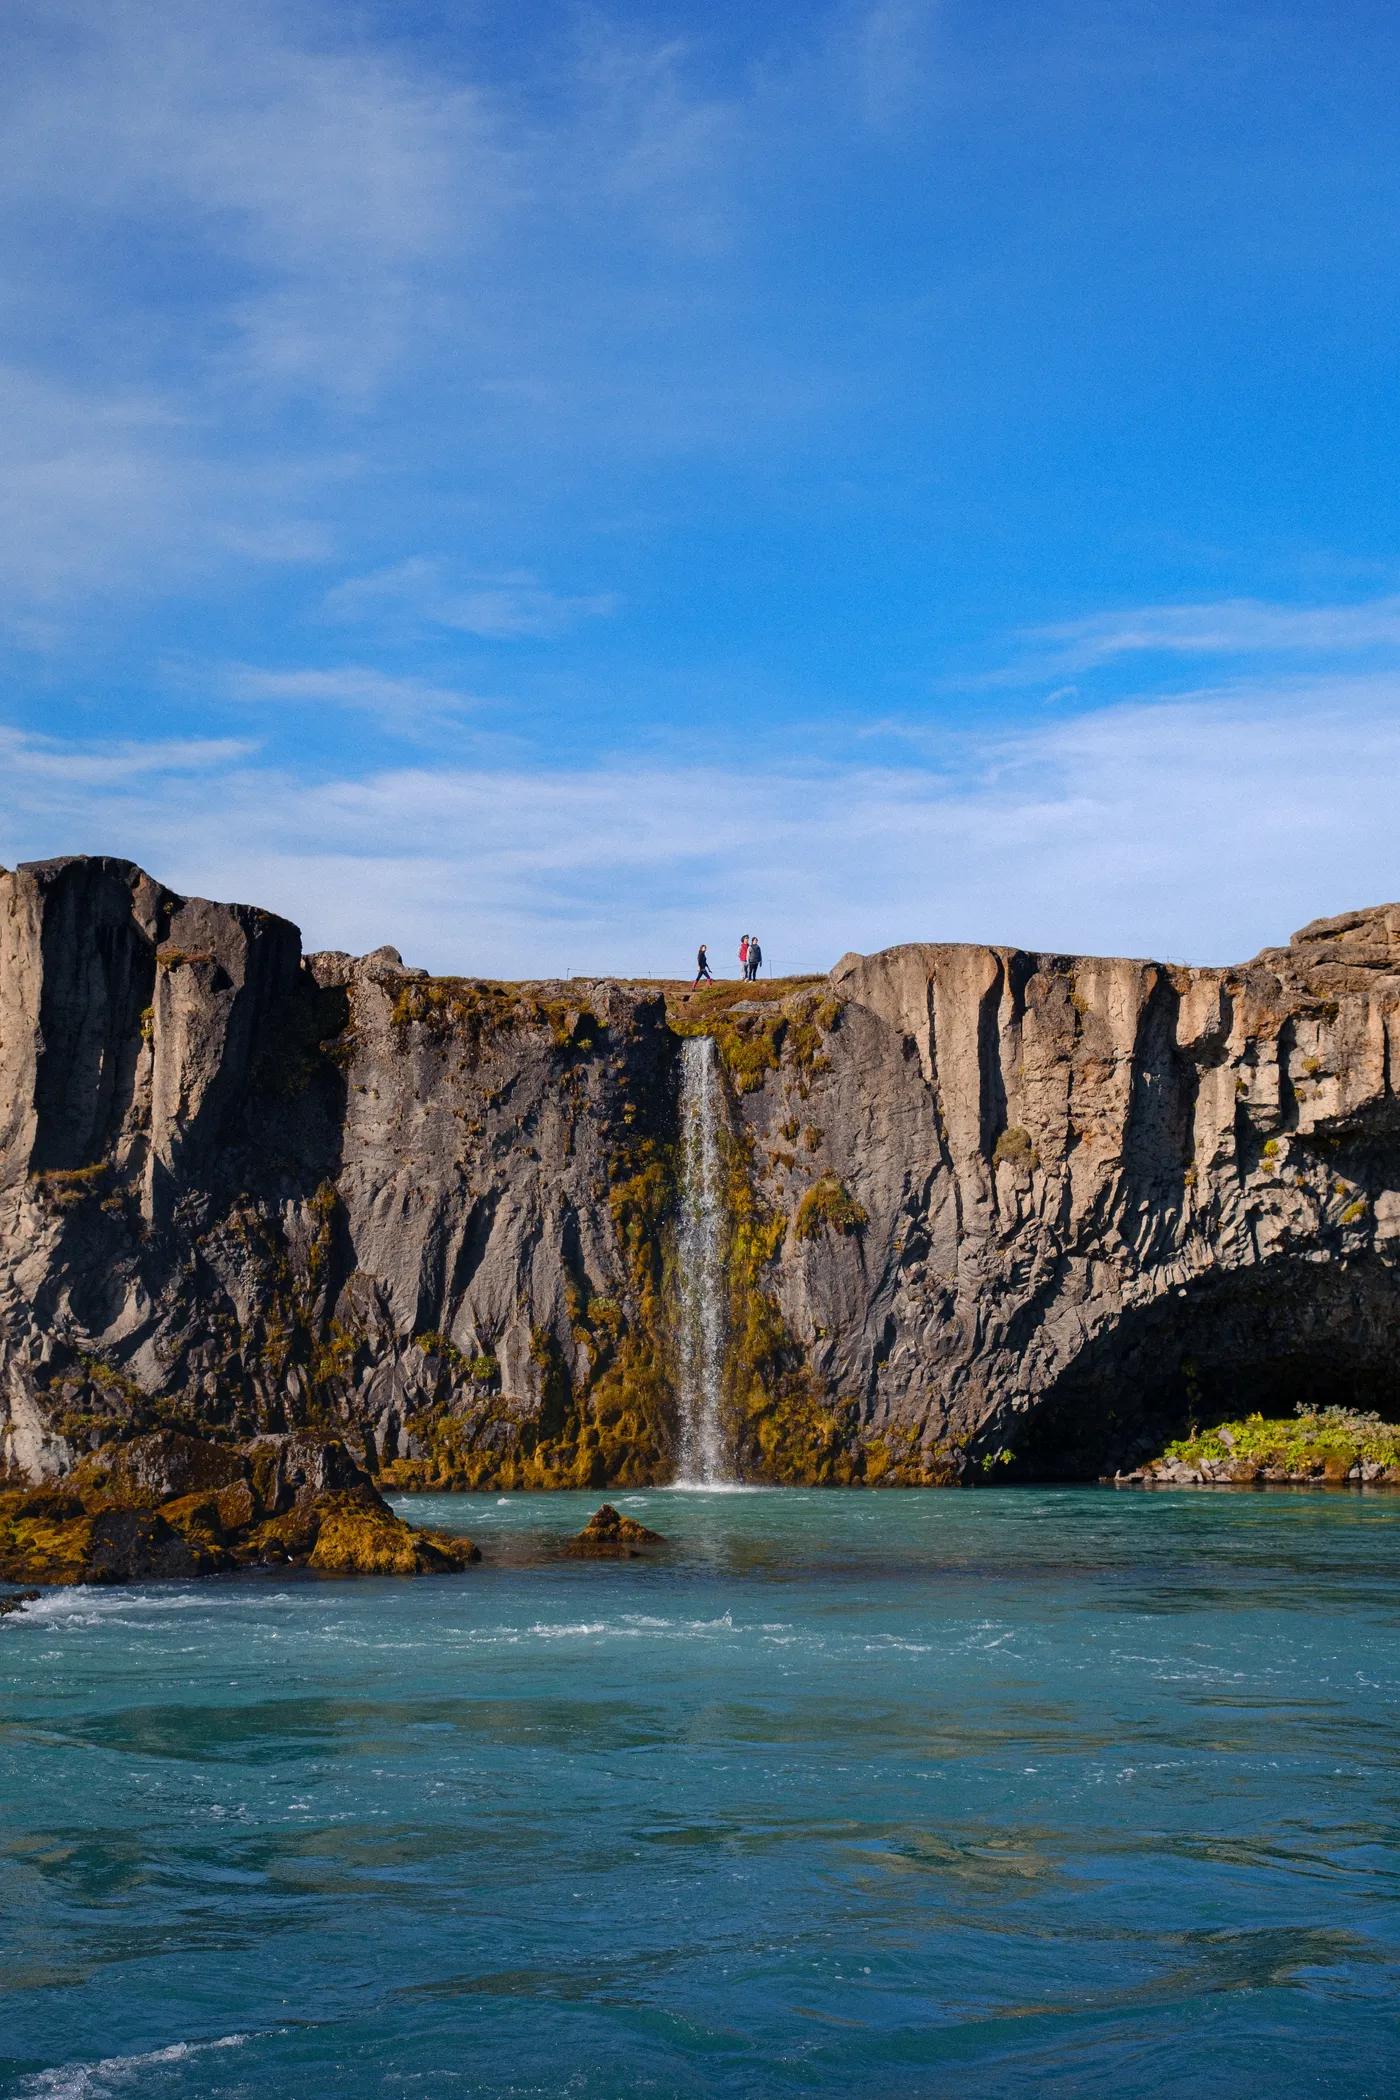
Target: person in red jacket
(744, 957)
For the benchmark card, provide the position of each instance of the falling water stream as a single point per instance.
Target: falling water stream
(701, 1264)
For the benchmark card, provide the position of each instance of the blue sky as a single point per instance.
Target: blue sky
(544, 485)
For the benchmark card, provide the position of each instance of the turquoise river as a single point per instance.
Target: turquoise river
(1024, 1791)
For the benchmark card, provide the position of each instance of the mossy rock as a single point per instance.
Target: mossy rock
(112, 1545)
(608, 1535)
(356, 1537)
(88, 1530)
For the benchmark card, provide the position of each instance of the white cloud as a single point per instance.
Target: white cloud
(227, 234)
(403, 705)
(1231, 627)
(1200, 828)
(500, 608)
(54, 776)
(314, 175)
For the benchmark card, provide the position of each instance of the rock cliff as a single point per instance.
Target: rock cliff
(984, 1210)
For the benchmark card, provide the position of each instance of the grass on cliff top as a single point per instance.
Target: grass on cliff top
(699, 1010)
(1295, 1442)
(696, 1011)
(448, 1003)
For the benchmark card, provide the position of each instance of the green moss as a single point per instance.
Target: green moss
(43, 1538)
(434, 1344)
(357, 1535)
(751, 1046)
(466, 1007)
(827, 1206)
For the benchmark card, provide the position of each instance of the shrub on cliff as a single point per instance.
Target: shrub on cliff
(1014, 1149)
(827, 1203)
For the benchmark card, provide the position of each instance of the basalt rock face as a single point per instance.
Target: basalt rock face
(983, 1208)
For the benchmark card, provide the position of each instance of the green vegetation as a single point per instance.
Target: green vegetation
(761, 1028)
(827, 1205)
(1320, 1442)
(462, 1006)
(435, 1344)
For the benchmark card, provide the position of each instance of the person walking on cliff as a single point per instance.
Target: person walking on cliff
(755, 958)
(744, 957)
(702, 967)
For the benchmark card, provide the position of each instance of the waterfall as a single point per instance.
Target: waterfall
(703, 1283)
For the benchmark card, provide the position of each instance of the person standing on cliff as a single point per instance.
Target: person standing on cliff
(702, 967)
(744, 956)
(755, 958)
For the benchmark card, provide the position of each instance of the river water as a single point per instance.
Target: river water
(1051, 1792)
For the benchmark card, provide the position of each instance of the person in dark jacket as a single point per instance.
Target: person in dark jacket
(702, 967)
(755, 958)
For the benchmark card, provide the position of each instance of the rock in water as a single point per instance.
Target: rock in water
(609, 1526)
(981, 1212)
(282, 1499)
(608, 1535)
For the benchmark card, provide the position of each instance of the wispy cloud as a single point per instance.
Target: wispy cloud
(228, 234)
(43, 770)
(1201, 828)
(1230, 628)
(420, 592)
(401, 705)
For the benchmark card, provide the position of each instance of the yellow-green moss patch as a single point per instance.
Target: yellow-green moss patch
(828, 1206)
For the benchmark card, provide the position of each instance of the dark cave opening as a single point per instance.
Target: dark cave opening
(1271, 1339)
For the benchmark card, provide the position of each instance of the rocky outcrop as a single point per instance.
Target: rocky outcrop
(608, 1535)
(168, 1504)
(986, 1211)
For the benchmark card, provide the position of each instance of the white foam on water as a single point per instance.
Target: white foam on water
(113, 2074)
(716, 1487)
(97, 1606)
